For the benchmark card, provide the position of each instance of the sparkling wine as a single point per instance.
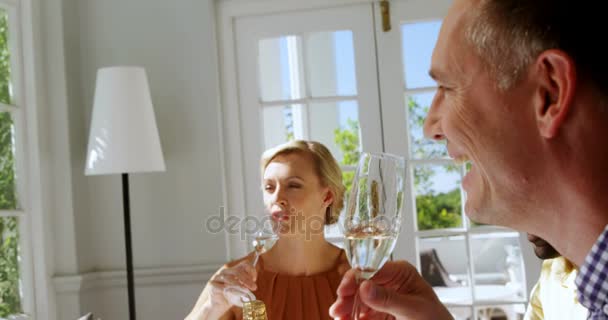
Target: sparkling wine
(368, 248)
(254, 310)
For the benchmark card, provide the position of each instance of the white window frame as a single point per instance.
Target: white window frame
(23, 27)
(234, 151)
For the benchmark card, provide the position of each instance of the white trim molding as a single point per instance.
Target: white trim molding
(77, 283)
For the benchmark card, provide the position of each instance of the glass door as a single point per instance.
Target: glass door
(308, 75)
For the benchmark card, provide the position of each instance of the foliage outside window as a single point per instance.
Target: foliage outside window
(10, 302)
(434, 210)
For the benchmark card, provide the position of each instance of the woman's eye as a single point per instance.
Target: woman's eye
(268, 187)
(295, 186)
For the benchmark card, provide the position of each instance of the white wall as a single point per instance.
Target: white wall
(173, 255)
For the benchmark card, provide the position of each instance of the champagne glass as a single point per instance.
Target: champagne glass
(372, 218)
(262, 242)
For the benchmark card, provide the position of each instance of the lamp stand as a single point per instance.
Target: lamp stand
(129, 251)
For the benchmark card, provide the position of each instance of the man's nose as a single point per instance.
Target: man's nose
(432, 124)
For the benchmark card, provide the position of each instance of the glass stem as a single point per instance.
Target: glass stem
(357, 301)
(257, 257)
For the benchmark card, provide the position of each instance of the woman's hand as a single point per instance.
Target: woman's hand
(242, 275)
(212, 303)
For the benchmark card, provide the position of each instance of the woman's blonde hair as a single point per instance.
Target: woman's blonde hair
(325, 164)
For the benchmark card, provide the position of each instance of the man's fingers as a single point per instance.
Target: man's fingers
(395, 272)
(408, 306)
(384, 300)
(342, 307)
(348, 285)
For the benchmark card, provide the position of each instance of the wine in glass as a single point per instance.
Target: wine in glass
(372, 219)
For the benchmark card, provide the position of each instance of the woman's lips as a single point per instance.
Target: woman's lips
(279, 216)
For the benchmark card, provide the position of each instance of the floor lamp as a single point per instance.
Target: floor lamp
(123, 139)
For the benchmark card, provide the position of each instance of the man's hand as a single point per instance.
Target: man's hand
(397, 290)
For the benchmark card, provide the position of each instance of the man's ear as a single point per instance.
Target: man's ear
(556, 74)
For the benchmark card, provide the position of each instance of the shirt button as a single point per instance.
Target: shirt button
(605, 309)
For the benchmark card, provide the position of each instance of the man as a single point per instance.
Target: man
(523, 97)
(554, 295)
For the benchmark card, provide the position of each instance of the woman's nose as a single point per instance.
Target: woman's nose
(280, 198)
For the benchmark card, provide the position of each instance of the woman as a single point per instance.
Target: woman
(298, 277)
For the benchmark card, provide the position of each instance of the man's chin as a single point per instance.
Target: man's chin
(473, 212)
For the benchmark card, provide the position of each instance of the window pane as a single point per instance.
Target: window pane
(331, 64)
(438, 203)
(417, 109)
(5, 69)
(336, 125)
(499, 267)
(10, 299)
(499, 312)
(418, 41)
(461, 313)
(8, 199)
(279, 61)
(443, 264)
(278, 125)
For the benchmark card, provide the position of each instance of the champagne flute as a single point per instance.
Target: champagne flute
(262, 242)
(372, 218)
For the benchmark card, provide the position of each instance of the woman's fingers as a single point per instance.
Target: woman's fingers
(240, 275)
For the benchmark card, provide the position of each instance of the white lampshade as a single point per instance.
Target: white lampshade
(123, 136)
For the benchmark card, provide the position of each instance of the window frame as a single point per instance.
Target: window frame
(396, 119)
(25, 63)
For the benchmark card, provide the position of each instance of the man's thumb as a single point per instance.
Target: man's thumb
(383, 300)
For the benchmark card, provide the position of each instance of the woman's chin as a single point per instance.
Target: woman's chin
(283, 229)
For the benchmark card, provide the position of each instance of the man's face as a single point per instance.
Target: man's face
(542, 249)
(491, 129)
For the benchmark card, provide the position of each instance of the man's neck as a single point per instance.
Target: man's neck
(577, 222)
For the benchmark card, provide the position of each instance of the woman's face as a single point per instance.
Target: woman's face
(294, 195)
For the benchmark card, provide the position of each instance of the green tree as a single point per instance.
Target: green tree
(438, 211)
(347, 140)
(9, 245)
(434, 211)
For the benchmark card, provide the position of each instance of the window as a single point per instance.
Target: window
(304, 82)
(14, 289)
(331, 74)
(478, 265)
(308, 91)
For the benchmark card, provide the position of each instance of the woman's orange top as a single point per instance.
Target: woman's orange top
(299, 297)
